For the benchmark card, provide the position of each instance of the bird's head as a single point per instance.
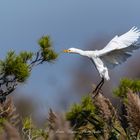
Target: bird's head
(71, 50)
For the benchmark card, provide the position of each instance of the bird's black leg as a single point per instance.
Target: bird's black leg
(98, 87)
(101, 85)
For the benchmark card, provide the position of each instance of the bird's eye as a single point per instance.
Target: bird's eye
(68, 50)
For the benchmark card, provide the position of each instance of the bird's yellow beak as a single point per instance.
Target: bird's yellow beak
(66, 51)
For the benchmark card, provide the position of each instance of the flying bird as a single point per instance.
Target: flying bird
(117, 51)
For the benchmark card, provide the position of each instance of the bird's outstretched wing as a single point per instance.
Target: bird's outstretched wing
(120, 48)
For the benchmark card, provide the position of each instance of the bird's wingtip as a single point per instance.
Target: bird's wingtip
(134, 29)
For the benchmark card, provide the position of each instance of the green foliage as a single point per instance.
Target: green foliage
(75, 115)
(26, 56)
(49, 55)
(31, 132)
(20, 65)
(15, 65)
(87, 104)
(45, 42)
(2, 120)
(16, 68)
(47, 52)
(84, 120)
(75, 110)
(125, 85)
(27, 124)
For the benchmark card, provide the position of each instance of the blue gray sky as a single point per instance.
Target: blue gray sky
(70, 23)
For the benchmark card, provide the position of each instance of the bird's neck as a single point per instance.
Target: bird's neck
(79, 51)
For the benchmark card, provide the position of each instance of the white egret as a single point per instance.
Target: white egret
(114, 53)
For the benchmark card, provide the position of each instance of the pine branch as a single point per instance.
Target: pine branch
(16, 69)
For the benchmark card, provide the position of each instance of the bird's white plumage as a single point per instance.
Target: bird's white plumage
(120, 48)
(121, 42)
(116, 52)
